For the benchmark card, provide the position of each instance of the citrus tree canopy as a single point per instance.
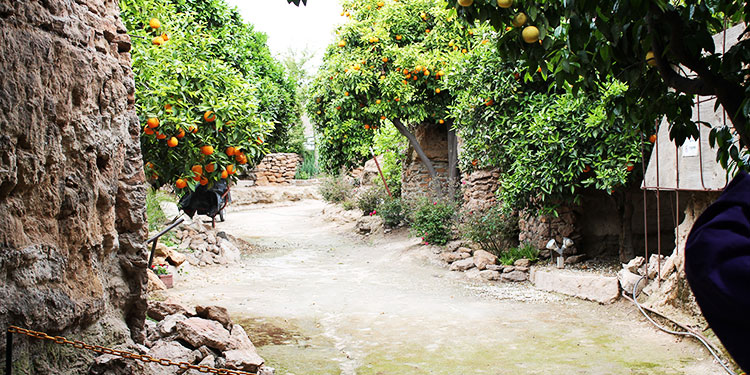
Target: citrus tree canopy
(664, 51)
(385, 67)
(547, 144)
(207, 91)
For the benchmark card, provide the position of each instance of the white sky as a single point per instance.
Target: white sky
(288, 26)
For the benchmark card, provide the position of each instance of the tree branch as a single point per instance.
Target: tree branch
(418, 148)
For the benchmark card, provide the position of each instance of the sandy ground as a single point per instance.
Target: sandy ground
(317, 299)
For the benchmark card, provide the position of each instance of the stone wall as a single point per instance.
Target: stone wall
(72, 192)
(539, 229)
(415, 179)
(479, 189)
(277, 168)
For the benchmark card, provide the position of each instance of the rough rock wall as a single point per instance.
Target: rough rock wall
(278, 168)
(479, 189)
(72, 193)
(539, 229)
(415, 179)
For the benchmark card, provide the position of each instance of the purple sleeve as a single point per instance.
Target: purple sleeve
(717, 263)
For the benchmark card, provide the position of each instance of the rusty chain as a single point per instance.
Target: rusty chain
(124, 354)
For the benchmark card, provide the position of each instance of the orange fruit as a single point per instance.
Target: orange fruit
(380, 4)
(198, 169)
(504, 3)
(519, 19)
(342, 43)
(168, 107)
(210, 167)
(652, 138)
(338, 107)
(148, 130)
(197, 176)
(150, 165)
(165, 36)
(158, 41)
(172, 142)
(587, 169)
(489, 102)
(203, 181)
(367, 127)
(385, 59)
(207, 150)
(346, 93)
(230, 151)
(427, 31)
(426, 73)
(152, 122)
(630, 167)
(465, 3)
(181, 133)
(382, 117)
(398, 37)
(230, 169)
(209, 116)
(530, 34)
(441, 121)
(224, 174)
(160, 136)
(154, 23)
(474, 162)
(397, 99)
(377, 101)
(464, 50)
(181, 184)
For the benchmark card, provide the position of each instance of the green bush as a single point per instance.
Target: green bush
(369, 198)
(393, 211)
(524, 251)
(308, 168)
(336, 189)
(432, 220)
(348, 204)
(492, 228)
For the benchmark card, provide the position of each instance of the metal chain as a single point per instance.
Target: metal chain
(124, 354)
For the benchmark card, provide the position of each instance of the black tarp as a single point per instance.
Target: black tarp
(205, 201)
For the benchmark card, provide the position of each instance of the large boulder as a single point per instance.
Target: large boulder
(515, 276)
(198, 332)
(168, 324)
(160, 309)
(244, 360)
(598, 288)
(173, 351)
(483, 258)
(462, 265)
(369, 224)
(628, 281)
(217, 313)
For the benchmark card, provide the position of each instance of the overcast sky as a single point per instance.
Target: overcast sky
(287, 26)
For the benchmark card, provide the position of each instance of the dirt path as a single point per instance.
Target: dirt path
(320, 301)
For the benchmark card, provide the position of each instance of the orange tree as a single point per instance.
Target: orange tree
(385, 67)
(662, 50)
(200, 114)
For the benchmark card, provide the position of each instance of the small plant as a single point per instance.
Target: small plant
(524, 251)
(160, 269)
(308, 168)
(336, 189)
(432, 221)
(492, 228)
(154, 214)
(348, 204)
(369, 199)
(392, 211)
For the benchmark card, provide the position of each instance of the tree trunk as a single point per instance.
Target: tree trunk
(422, 156)
(452, 160)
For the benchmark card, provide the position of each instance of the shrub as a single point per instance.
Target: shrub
(392, 211)
(308, 168)
(348, 204)
(524, 251)
(369, 199)
(432, 220)
(493, 229)
(154, 215)
(336, 189)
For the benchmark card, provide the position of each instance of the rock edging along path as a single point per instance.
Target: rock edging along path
(322, 301)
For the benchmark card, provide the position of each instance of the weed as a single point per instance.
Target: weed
(336, 189)
(524, 251)
(492, 228)
(432, 220)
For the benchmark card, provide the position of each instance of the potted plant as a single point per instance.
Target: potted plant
(163, 273)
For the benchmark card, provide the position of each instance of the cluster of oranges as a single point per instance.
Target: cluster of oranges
(159, 40)
(417, 72)
(529, 34)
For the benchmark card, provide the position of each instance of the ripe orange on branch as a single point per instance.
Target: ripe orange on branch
(152, 122)
(209, 116)
(154, 23)
(180, 184)
(210, 167)
(207, 150)
(230, 151)
(172, 142)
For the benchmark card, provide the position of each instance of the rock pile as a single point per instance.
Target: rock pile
(204, 337)
(205, 246)
(537, 230)
(479, 189)
(278, 168)
(480, 264)
(633, 271)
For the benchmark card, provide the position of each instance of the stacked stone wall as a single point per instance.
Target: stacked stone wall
(72, 192)
(278, 168)
(479, 188)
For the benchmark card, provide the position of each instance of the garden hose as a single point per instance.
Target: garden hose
(713, 353)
